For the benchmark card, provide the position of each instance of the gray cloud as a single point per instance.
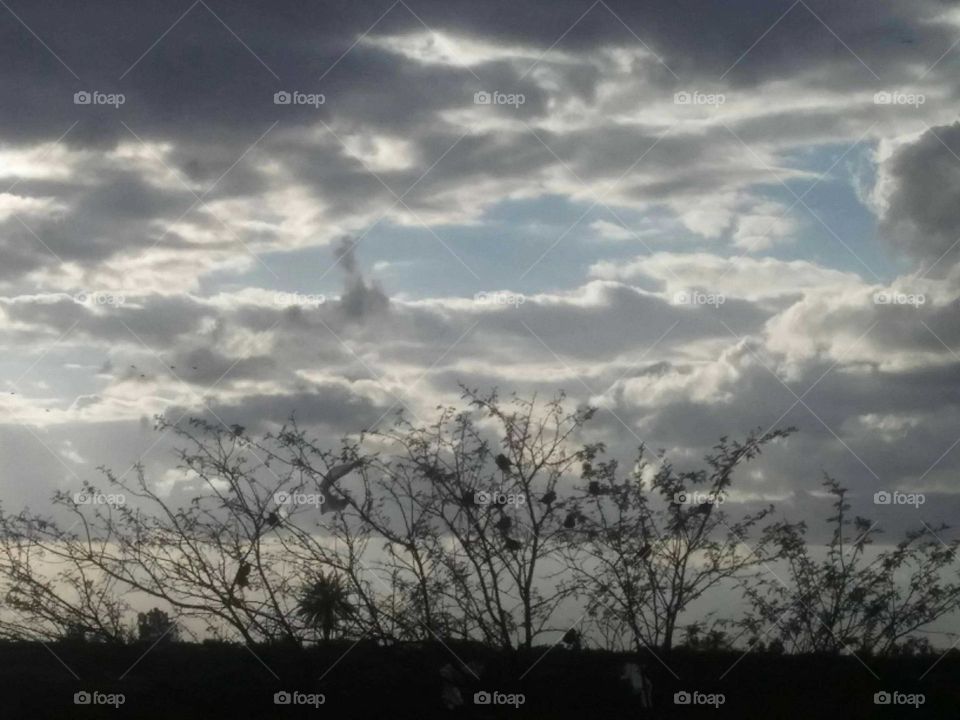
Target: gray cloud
(360, 298)
(922, 218)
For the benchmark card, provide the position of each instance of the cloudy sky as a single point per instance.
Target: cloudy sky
(700, 217)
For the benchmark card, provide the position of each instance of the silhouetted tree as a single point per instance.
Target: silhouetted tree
(475, 522)
(232, 556)
(49, 597)
(645, 546)
(478, 525)
(701, 638)
(156, 626)
(848, 601)
(324, 603)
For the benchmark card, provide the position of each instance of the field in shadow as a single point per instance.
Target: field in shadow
(182, 681)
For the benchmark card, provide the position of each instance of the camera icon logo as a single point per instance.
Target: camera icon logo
(282, 698)
(682, 98)
(481, 497)
(82, 698)
(282, 497)
(882, 498)
(282, 98)
(882, 698)
(82, 97)
(482, 698)
(482, 97)
(682, 698)
(681, 498)
(883, 98)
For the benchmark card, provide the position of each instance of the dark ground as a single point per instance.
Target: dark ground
(187, 681)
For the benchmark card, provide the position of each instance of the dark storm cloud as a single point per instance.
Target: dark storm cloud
(199, 81)
(334, 406)
(852, 406)
(704, 39)
(159, 323)
(105, 210)
(95, 221)
(923, 215)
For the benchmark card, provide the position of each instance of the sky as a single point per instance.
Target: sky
(701, 218)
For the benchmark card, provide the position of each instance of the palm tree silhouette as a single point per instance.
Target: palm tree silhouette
(325, 603)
